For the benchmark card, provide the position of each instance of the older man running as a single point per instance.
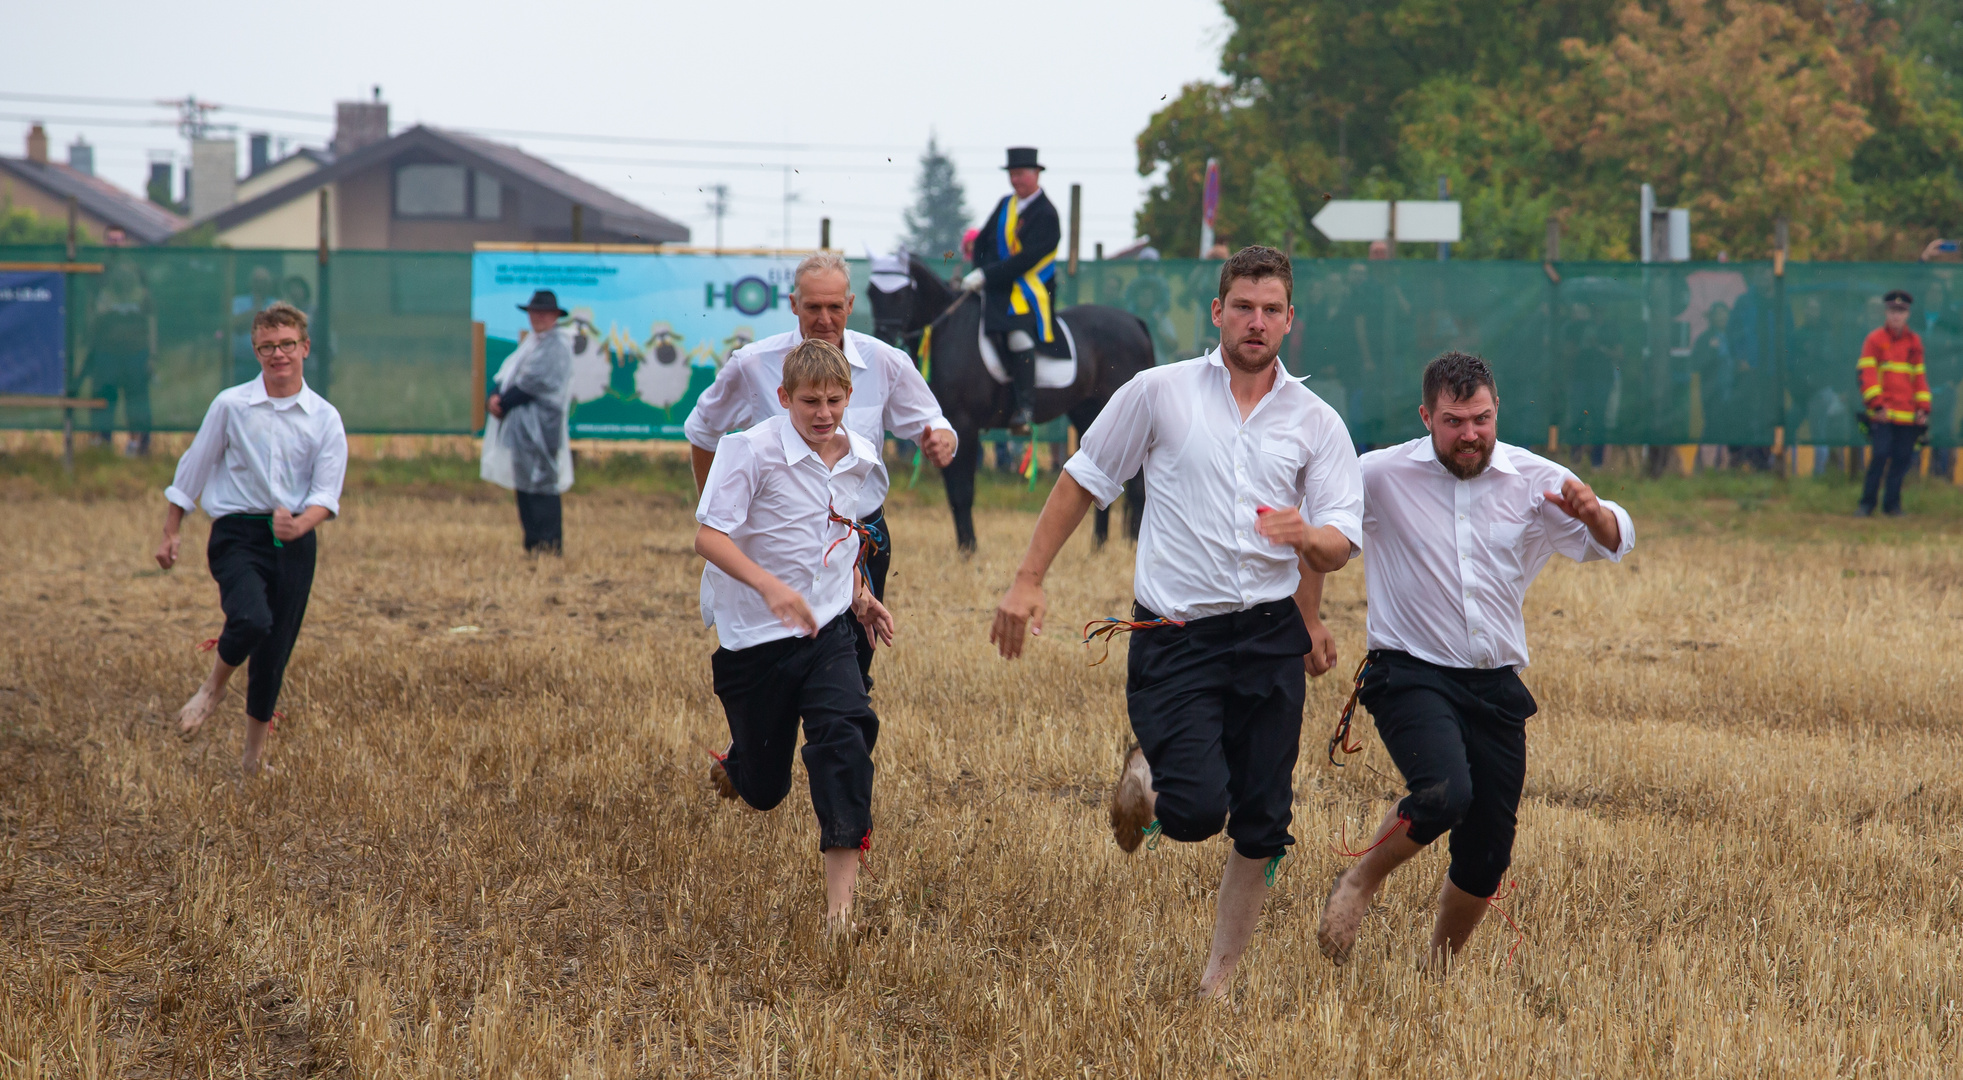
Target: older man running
(1255, 496)
(1456, 524)
(888, 394)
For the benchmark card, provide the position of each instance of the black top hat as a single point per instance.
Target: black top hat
(1023, 157)
(1897, 296)
(544, 300)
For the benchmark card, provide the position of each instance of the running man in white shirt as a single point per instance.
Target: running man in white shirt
(267, 465)
(781, 588)
(1255, 496)
(888, 395)
(1456, 525)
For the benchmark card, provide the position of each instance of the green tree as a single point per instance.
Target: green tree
(22, 225)
(1274, 217)
(939, 214)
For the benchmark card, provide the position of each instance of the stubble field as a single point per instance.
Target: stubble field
(489, 849)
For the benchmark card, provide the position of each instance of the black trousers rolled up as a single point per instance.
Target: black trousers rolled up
(1459, 736)
(543, 524)
(263, 591)
(765, 690)
(877, 564)
(1216, 705)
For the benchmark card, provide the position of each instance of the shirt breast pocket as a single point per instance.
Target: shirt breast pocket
(1277, 469)
(1506, 539)
(867, 420)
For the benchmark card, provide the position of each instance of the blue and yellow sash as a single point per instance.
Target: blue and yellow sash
(1032, 290)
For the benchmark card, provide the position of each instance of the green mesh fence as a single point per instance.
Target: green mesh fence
(1607, 353)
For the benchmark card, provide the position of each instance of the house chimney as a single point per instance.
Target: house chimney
(261, 153)
(37, 144)
(214, 176)
(360, 123)
(81, 156)
(158, 189)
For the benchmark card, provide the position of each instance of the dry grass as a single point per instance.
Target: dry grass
(492, 853)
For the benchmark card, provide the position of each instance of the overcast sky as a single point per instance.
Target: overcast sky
(845, 92)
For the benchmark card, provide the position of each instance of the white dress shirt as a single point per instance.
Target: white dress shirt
(888, 394)
(254, 454)
(1447, 561)
(1206, 472)
(772, 495)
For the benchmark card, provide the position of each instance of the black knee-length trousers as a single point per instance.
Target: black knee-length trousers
(263, 585)
(766, 689)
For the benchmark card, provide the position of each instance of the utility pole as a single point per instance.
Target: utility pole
(719, 206)
(1444, 192)
(789, 198)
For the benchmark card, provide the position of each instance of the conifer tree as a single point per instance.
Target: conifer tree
(940, 208)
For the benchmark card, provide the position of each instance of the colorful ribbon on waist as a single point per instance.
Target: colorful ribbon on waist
(1110, 627)
(870, 537)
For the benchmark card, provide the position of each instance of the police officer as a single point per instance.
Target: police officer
(1015, 266)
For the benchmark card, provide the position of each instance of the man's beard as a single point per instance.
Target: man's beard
(1233, 357)
(1464, 472)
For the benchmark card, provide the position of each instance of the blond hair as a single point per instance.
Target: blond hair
(816, 361)
(819, 262)
(280, 313)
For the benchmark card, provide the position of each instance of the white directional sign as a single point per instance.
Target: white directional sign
(1417, 221)
(1427, 222)
(1354, 219)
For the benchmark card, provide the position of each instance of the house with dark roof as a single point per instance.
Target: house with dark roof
(45, 187)
(430, 189)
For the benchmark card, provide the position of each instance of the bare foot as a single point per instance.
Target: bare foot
(199, 709)
(719, 777)
(839, 929)
(1342, 917)
(1131, 801)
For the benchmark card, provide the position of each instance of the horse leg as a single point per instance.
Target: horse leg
(959, 479)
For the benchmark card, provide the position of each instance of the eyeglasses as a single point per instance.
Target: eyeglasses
(288, 347)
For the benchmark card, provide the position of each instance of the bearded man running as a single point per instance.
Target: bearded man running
(1456, 525)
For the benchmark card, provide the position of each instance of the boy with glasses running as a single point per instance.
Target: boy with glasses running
(267, 465)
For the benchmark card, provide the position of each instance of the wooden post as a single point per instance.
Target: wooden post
(1076, 224)
(825, 233)
(476, 376)
(579, 223)
(74, 212)
(320, 253)
(1553, 439)
(68, 414)
(1781, 245)
(1098, 249)
(1553, 254)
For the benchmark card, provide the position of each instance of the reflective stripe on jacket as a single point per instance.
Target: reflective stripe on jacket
(1892, 375)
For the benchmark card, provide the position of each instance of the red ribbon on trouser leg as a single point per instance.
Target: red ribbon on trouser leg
(1493, 902)
(865, 853)
(1402, 822)
(208, 644)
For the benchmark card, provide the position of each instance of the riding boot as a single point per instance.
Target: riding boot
(1022, 379)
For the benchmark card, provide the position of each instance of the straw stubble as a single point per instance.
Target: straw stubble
(493, 852)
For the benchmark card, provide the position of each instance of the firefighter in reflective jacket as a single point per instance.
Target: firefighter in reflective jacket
(1895, 393)
(1015, 264)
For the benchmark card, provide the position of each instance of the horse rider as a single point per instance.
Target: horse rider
(1015, 265)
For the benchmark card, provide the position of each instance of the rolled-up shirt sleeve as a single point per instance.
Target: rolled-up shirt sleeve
(1113, 450)
(207, 450)
(731, 485)
(722, 407)
(1334, 484)
(330, 470)
(911, 408)
(1570, 536)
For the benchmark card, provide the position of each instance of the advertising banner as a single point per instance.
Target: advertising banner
(33, 332)
(651, 330)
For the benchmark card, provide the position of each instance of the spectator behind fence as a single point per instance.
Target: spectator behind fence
(1895, 392)
(526, 444)
(122, 337)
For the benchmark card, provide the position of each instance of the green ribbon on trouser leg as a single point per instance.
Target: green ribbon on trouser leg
(1274, 867)
(268, 519)
(1152, 834)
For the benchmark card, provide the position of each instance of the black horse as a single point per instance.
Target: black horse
(1112, 346)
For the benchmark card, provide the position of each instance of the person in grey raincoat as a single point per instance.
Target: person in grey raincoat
(525, 438)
